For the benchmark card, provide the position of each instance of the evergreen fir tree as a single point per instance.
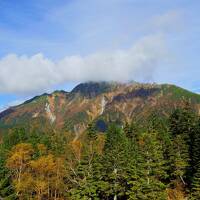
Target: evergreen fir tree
(115, 161)
(6, 189)
(91, 131)
(153, 167)
(183, 123)
(195, 191)
(179, 159)
(195, 187)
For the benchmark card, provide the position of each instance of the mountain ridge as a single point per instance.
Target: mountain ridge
(92, 101)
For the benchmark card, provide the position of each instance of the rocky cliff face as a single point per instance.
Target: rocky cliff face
(100, 102)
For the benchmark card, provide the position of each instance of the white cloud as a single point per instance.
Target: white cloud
(22, 74)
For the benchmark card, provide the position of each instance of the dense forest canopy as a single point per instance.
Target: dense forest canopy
(155, 159)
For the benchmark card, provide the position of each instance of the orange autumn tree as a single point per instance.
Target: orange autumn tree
(36, 178)
(76, 146)
(42, 169)
(18, 162)
(48, 173)
(58, 186)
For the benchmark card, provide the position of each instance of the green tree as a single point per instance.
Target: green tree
(91, 131)
(179, 159)
(183, 122)
(6, 189)
(195, 187)
(115, 162)
(195, 191)
(150, 178)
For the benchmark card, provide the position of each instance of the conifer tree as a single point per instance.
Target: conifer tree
(6, 189)
(195, 186)
(91, 131)
(182, 124)
(115, 161)
(195, 191)
(179, 159)
(150, 171)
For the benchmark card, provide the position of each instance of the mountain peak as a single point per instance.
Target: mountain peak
(93, 89)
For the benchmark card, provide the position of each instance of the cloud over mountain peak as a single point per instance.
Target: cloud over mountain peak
(23, 74)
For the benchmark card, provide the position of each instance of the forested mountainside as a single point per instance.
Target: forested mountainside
(103, 141)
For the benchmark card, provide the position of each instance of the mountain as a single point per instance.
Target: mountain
(99, 102)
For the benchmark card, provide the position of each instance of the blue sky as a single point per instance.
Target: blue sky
(48, 44)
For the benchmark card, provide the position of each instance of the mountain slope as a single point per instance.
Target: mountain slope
(94, 101)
